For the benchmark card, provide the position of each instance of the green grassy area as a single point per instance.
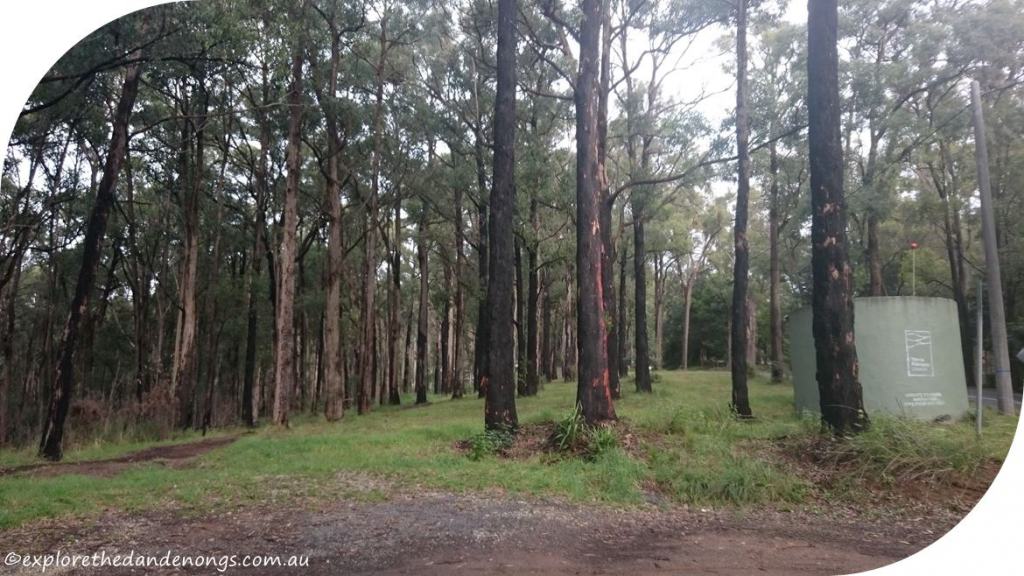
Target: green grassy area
(104, 448)
(691, 450)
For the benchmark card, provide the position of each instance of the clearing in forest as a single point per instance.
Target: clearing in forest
(669, 487)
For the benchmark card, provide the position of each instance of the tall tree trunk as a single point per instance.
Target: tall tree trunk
(842, 404)
(643, 357)
(569, 360)
(368, 356)
(687, 305)
(422, 326)
(333, 365)
(872, 255)
(741, 264)
(593, 392)
(546, 354)
(532, 301)
(408, 362)
(212, 328)
(394, 302)
(8, 309)
(483, 339)
(458, 386)
(139, 285)
(621, 322)
(446, 331)
(184, 370)
(607, 202)
(51, 442)
(660, 272)
(520, 320)
(876, 286)
(499, 382)
(284, 368)
(774, 273)
(751, 332)
(250, 406)
(949, 195)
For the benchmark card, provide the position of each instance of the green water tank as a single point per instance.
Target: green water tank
(911, 362)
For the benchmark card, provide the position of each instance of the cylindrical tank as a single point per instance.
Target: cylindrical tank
(909, 354)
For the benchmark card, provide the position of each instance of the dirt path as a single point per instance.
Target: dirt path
(437, 533)
(176, 453)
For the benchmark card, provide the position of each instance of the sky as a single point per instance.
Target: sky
(706, 69)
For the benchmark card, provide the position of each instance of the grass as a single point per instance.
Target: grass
(104, 449)
(691, 450)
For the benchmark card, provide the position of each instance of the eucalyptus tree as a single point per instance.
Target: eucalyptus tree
(777, 98)
(391, 28)
(842, 403)
(500, 381)
(342, 24)
(133, 35)
(658, 133)
(703, 231)
(591, 333)
(892, 59)
(539, 203)
(741, 247)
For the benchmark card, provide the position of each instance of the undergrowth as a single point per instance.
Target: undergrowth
(900, 450)
(489, 443)
(680, 441)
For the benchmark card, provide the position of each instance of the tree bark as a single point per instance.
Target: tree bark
(368, 356)
(139, 285)
(8, 309)
(607, 203)
(643, 357)
(499, 381)
(446, 331)
(842, 404)
(687, 305)
(184, 370)
(458, 386)
(284, 368)
(593, 393)
(621, 323)
(394, 303)
(250, 405)
(774, 273)
(422, 327)
(568, 358)
(520, 320)
(482, 339)
(546, 355)
(51, 443)
(741, 263)
(333, 366)
(949, 196)
(532, 302)
(660, 272)
(876, 287)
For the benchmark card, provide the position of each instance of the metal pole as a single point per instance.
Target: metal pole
(980, 335)
(997, 316)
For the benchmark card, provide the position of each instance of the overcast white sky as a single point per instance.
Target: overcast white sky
(708, 69)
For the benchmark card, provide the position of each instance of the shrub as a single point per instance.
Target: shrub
(601, 441)
(569, 432)
(488, 443)
(573, 435)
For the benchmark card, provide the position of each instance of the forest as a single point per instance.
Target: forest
(270, 214)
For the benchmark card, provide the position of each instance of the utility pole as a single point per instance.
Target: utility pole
(997, 316)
